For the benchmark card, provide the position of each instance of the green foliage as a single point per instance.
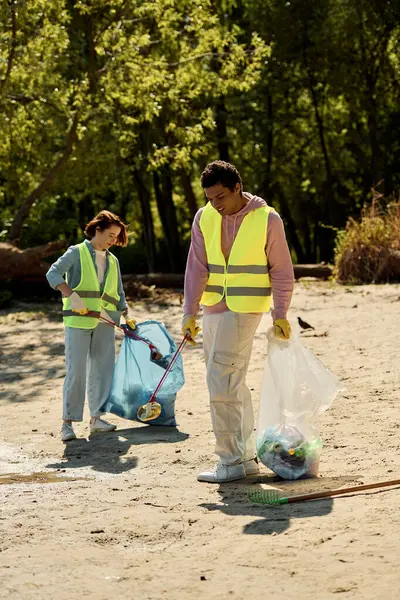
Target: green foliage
(120, 105)
(139, 78)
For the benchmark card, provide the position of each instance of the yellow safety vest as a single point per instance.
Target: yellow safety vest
(89, 289)
(244, 281)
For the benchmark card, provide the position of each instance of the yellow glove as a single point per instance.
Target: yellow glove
(282, 329)
(189, 326)
(131, 323)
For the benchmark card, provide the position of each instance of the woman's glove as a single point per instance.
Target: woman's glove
(189, 327)
(131, 323)
(282, 329)
(77, 304)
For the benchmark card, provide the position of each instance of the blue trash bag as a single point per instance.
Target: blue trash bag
(136, 375)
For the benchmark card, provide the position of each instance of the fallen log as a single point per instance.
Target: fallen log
(17, 264)
(175, 280)
(319, 271)
(161, 280)
(27, 265)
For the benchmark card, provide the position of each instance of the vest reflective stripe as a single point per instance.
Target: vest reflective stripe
(216, 289)
(71, 313)
(245, 280)
(248, 291)
(110, 300)
(89, 289)
(216, 269)
(85, 294)
(256, 269)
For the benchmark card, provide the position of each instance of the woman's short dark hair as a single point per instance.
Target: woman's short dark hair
(221, 172)
(104, 220)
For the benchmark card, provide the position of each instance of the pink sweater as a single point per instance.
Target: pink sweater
(276, 249)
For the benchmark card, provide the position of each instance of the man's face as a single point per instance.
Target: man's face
(225, 201)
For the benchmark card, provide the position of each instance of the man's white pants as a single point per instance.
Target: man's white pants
(228, 341)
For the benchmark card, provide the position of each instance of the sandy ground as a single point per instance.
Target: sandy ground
(123, 515)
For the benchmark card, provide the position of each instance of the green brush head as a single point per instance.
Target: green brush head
(268, 497)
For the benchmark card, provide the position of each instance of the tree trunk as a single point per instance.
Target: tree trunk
(270, 138)
(376, 153)
(26, 264)
(176, 280)
(286, 215)
(267, 181)
(321, 134)
(312, 81)
(91, 54)
(148, 225)
(221, 117)
(23, 212)
(370, 73)
(325, 237)
(86, 211)
(190, 197)
(166, 209)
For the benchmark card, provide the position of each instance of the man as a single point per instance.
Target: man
(238, 258)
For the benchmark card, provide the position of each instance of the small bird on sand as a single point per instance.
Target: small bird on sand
(304, 325)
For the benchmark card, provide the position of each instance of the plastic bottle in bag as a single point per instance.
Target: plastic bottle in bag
(296, 389)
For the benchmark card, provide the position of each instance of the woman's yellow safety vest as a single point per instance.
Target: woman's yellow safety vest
(89, 289)
(244, 281)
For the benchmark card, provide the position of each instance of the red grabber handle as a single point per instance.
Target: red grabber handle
(168, 369)
(128, 332)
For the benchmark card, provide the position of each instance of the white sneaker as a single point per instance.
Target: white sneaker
(67, 432)
(251, 467)
(223, 473)
(101, 426)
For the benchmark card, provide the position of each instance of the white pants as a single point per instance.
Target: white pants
(89, 359)
(228, 341)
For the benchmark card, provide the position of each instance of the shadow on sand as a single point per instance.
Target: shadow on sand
(107, 453)
(276, 519)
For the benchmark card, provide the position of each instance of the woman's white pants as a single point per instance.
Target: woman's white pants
(89, 360)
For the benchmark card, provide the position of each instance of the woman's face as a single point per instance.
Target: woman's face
(107, 238)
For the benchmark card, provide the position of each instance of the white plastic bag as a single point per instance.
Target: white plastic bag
(296, 389)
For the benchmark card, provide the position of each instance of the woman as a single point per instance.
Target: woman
(92, 286)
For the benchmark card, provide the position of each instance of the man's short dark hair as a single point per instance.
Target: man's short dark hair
(221, 172)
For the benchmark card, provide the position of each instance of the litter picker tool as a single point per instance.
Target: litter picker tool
(155, 354)
(152, 409)
(273, 498)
